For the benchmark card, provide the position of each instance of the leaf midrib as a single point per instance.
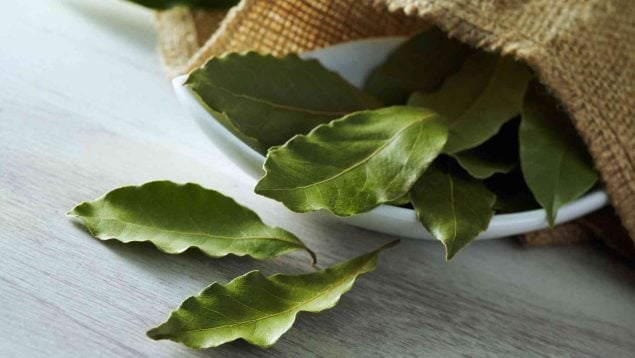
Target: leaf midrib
(359, 163)
(490, 81)
(317, 112)
(557, 182)
(452, 206)
(220, 237)
(329, 289)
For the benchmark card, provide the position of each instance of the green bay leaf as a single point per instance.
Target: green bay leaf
(271, 99)
(482, 165)
(487, 92)
(498, 155)
(355, 163)
(420, 64)
(452, 206)
(554, 162)
(401, 201)
(176, 217)
(259, 309)
(202, 4)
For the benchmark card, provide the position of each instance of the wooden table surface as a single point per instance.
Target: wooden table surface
(85, 107)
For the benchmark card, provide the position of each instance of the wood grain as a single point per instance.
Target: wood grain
(84, 107)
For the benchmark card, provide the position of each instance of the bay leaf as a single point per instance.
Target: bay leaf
(452, 206)
(202, 4)
(512, 193)
(271, 99)
(498, 155)
(400, 201)
(482, 165)
(419, 64)
(486, 92)
(259, 309)
(554, 160)
(355, 163)
(176, 217)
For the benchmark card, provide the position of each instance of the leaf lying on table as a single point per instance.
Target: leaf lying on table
(259, 309)
(487, 92)
(271, 99)
(203, 4)
(420, 64)
(355, 163)
(452, 206)
(554, 161)
(176, 217)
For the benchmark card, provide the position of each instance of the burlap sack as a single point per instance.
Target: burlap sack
(582, 50)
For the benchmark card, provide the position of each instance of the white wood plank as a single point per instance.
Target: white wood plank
(84, 107)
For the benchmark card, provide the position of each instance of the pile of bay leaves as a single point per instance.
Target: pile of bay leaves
(452, 132)
(456, 133)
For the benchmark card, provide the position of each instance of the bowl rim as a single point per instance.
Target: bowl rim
(250, 159)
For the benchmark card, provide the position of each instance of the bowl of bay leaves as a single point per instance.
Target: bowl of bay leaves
(420, 137)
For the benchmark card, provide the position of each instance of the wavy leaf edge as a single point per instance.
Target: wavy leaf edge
(105, 237)
(368, 264)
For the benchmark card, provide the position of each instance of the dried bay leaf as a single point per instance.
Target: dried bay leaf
(498, 155)
(482, 165)
(176, 217)
(271, 99)
(260, 309)
(487, 92)
(420, 64)
(401, 201)
(355, 163)
(452, 206)
(554, 161)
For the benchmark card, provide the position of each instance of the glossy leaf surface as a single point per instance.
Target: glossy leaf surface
(554, 161)
(175, 217)
(487, 92)
(258, 308)
(355, 163)
(452, 206)
(420, 64)
(270, 99)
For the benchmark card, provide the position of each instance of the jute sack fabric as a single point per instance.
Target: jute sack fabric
(181, 32)
(582, 50)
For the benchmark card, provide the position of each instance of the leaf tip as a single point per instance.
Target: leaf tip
(158, 333)
(313, 257)
(153, 334)
(74, 212)
(451, 251)
(388, 245)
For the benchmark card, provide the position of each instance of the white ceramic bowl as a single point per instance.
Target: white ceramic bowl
(354, 61)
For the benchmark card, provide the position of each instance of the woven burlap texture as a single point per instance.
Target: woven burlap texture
(181, 32)
(582, 50)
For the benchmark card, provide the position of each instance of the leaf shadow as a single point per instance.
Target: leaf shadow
(196, 265)
(192, 263)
